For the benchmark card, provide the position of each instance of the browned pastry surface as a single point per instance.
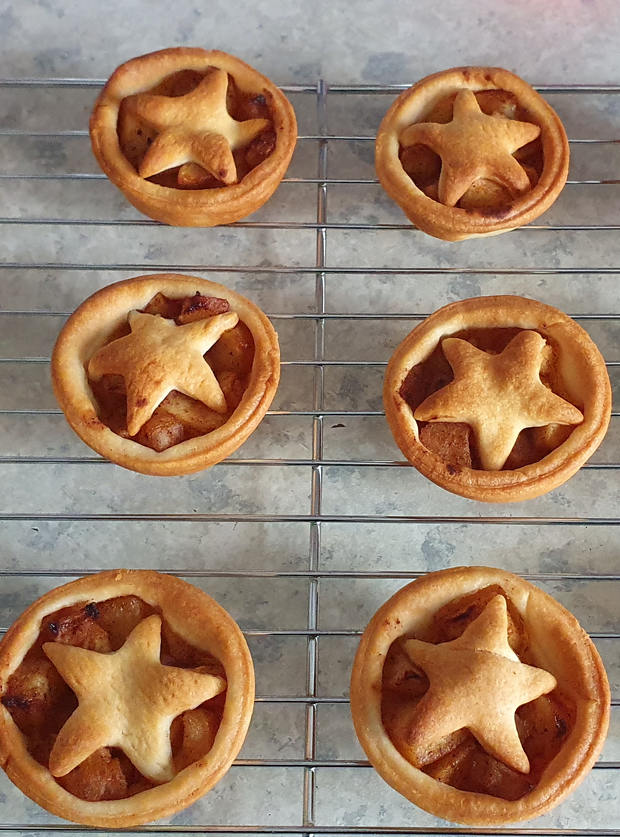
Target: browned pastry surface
(164, 682)
(471, 151)
(193, 137)
(166, 374)
(497, 398)
(436, 680)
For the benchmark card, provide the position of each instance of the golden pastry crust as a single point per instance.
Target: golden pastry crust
(89, 328)
(196, 207)
(557, 644)
(579, 363)
(201, 622)
(450, 222)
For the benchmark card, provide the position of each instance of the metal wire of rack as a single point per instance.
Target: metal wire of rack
(315, 573)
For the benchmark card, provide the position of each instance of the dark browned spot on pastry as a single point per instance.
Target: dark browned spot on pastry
(92, 610)
(459, 760)
(15, 702)
(40, 702)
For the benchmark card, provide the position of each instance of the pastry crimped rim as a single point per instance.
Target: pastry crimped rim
(559, 645)
(190, 207)
(98, 316)
(556, 467)
(453, 223)
(199, 620)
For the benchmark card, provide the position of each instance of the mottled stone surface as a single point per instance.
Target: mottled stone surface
(369, 42)
(49, 268)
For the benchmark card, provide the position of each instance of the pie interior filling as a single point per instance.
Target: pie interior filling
(180, 417)
(485, 195)
(40, 702)
(455, 442)
(459, 760)
(135, 135)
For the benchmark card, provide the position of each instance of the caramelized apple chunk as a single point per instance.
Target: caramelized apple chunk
(196, 418)
(421, 163)
(37, 697)
(164, 306)
(76, 625)
(260, 148)
(199, 307)
(176, 651)
(193, 735)
(398, 713)
(543, 725)
(233, 352)
(97, 778)
(452, 766)
(485, 774)
(401, 675)
(161, 431)
(449, 440)
(120, 615)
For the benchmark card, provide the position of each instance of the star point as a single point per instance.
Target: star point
(497, 395)
(476, 682)
(126, 699)
(195, 128)
(159, 356)
(474, 146)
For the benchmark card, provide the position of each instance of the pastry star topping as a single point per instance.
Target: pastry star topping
(476, 682)
(474, 146)
(497, 395)
(126, 699)
(195, 128)
(159, 356)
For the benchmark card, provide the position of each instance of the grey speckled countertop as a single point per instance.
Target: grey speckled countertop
(555, 42)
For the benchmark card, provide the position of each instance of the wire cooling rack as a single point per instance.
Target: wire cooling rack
(316, 520)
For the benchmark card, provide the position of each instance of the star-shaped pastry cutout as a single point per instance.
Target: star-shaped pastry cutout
(476, 682)
(126, 699)
(497, 395)
(195, 128)
(474, 146)
(159, 356)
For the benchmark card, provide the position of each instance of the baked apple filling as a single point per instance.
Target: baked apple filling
(459, 760)
(136, 132)
(485, 195)
(455, 442)
(40, 702)
(180, 417)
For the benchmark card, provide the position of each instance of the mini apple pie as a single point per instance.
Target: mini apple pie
(479, 697)
(193, 138)
(471, 151)
(498, 398)
(124, 697)
(166, 374)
